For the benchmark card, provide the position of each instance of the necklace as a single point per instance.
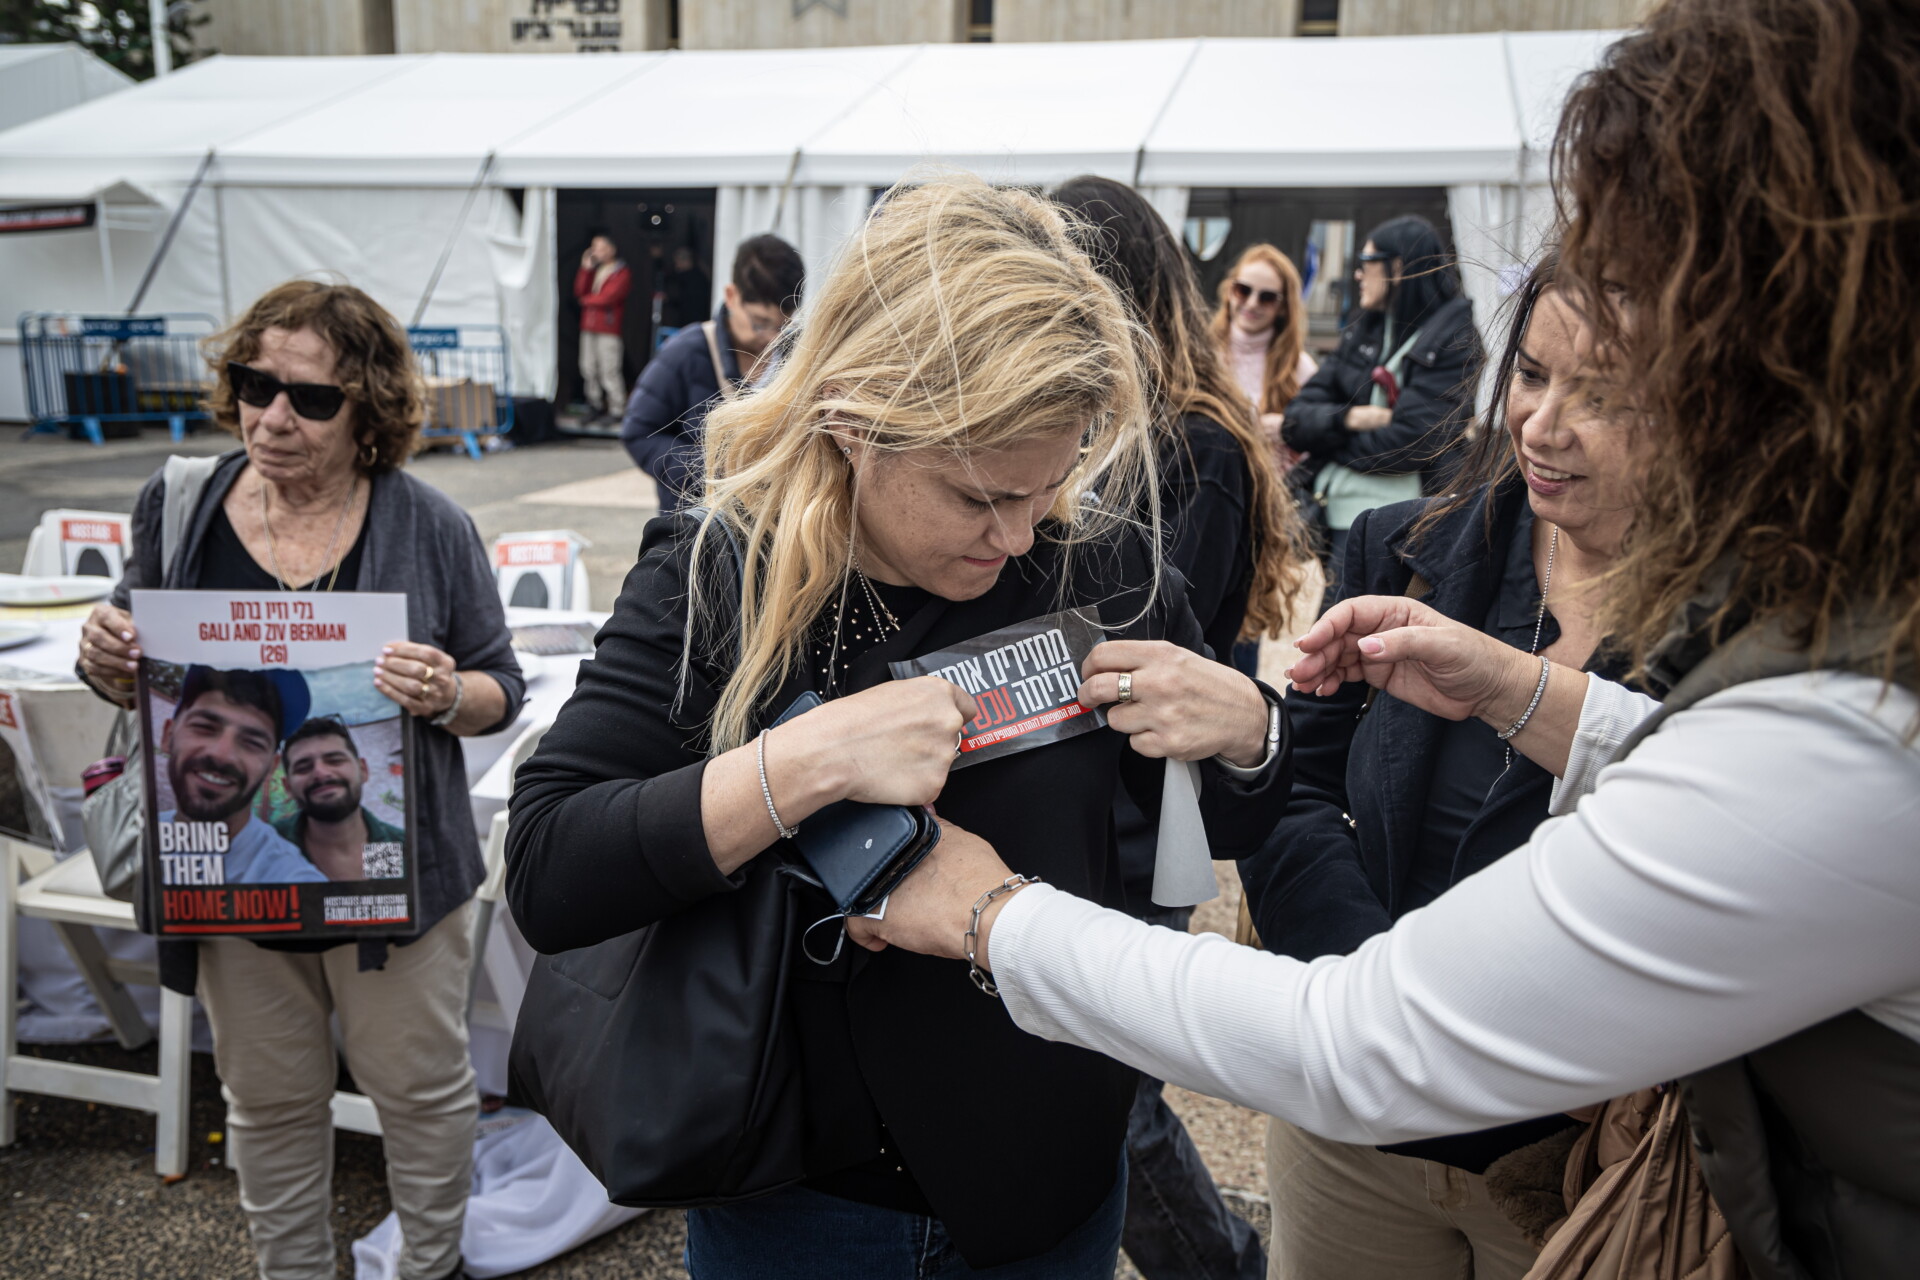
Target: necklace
(273, 552)
(881, 614)
(849, 631)
(1540, 619)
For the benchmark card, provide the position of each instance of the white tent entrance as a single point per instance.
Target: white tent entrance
(361, 167)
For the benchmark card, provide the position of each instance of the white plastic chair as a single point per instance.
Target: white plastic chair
(69, 543)
(493, 949)
(67, 893)
(541, 569)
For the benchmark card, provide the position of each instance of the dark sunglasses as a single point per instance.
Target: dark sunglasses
(1375, 257)
(1241, 292)
(314, 401)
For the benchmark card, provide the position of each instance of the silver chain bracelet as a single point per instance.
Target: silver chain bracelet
(981, 978)
(766, 792)
(1546, 667)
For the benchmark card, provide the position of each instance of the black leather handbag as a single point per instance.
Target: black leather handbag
(665, 1057)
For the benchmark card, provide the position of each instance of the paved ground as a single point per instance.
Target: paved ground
(78, 1197)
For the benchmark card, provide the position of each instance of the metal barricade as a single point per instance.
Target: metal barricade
(469, 391)
(112, 374)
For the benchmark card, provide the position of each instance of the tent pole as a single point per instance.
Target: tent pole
(173, 227)
(780, 205)
(106, 249)
(220, 248)
(459, 225)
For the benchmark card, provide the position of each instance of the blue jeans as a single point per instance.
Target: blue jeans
(1178, 1227)
(805, 1235)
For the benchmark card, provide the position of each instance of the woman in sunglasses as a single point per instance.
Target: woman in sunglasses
(1379, 418)
(319, 384)
(1261, 330)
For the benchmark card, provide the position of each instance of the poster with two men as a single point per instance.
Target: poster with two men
(277, 774)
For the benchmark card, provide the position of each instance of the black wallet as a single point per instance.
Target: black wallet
(860, 852)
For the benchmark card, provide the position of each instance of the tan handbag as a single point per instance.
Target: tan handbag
(1638, 1205)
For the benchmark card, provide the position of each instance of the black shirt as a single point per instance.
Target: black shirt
(1470, 757)
(607, 836)
(227, 565)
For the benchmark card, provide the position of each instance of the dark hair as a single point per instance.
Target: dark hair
(1488, 460)
(1132, 246)
(601, 233)
(242, 688)
(322, 727)
(1428, 276)
(1742, 178)
(372, 362)
(767, 271)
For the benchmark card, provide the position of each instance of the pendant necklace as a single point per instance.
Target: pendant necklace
(273, 552)
(1540, 620)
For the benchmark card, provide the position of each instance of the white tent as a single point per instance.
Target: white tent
(363, 166)
(40, 79)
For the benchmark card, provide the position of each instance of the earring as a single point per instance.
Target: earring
(368, 454)
(848, 450)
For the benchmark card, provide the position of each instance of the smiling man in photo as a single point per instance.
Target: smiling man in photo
(222, 744)
(327, 776)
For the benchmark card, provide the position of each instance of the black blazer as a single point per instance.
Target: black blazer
(1436, 400)
(1012, 1140)
(1337, 867)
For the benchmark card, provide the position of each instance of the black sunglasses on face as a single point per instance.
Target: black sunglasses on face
(1374, 257)
(314, 401)
(1241, 292)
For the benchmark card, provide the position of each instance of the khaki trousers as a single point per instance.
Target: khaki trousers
(1343, 1212)
(600, 374)
(404, 1031)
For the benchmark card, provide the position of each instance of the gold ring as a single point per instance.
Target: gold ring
(1126, 686)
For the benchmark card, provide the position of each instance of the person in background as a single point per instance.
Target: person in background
(601, 287)
(1379, 419)
(326, 778)
(688, 288)
(1728, 897)
(1231, 537)
(319, 384)
(710, 361)
(1392, 804)
(1261, 331)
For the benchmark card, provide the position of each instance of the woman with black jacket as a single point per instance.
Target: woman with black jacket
(1379, 419)
(919, 472)
(1393, 804)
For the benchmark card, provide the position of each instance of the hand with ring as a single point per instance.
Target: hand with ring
(1172, 702)
(418, 677)
(109, 649)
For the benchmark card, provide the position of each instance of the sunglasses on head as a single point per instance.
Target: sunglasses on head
(314, 401)
(1267, 297)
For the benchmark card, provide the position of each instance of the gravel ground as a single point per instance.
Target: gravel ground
(79, 1199)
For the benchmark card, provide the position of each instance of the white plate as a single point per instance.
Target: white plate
(39, 591)
(15, 634)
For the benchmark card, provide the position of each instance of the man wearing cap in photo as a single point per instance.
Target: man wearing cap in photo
(222, 744)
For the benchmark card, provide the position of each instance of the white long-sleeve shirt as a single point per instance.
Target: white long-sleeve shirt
(1753, 868)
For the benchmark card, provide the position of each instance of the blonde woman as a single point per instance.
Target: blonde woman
(1261, 330)
(917, 473)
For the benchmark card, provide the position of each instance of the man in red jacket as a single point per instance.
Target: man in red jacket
(601, 287)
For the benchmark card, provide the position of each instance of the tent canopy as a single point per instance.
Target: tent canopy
(39, 79)
(1440, 110)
